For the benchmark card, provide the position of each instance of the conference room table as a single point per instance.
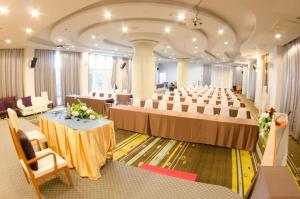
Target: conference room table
(191, 127)
(233, 111)
(96, 103)
(85, 144)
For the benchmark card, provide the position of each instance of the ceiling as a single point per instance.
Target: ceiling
(248, 26)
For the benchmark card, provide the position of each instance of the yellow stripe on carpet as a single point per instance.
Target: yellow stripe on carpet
(127, 139)
(124, 150)
(172, 155)
(293, 176)
(234, 172)
(247, 169)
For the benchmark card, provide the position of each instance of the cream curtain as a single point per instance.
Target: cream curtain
(11, 72)
(70, 73)
(114, 73)
(291, 89)
(206, 74)
(45, 73)
(125, 74)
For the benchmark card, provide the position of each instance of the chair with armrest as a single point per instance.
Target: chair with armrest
(242, 113)
(48, 163)
(32, 135)
(177, 106)
(162, 105)
(209, 109)
(136, 102)
(148, 103)
(192, 108)
(224, 111)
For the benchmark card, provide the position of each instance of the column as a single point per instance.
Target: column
(143, 68)
(259, 82)
(182, 72)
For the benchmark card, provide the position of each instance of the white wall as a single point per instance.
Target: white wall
(29, 84)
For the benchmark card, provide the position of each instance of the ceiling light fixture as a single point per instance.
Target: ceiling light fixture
(181, 17)
(59, 40)
(28, 30)
(124, 29)
(167, 29)
(35, 13)
(226, 43)
(168, 47)
(220, 31)
(4, 10)
(8, 41)
(278, 36)
(72, 46)
(93, 37)
(196, 20)
(196, 47)
(194, 39)
(107, 15)
(116, 49)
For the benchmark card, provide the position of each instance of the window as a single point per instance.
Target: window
(100, 72)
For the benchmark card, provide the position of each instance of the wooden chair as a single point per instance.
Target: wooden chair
(49, 163)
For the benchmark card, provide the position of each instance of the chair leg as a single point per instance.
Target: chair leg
(26, 176)
(37, 189)
(68, 175)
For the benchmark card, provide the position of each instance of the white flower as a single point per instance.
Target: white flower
(92, 117)
(89, 111)
(75, 113)
(263, 115)
(84, 108)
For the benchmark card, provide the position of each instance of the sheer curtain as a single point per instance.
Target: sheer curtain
(70, 73)
(125, 74)
(207, 74)
(45, 73)
(291, 88)
(221, 76)
(114, 73)
(11, 72)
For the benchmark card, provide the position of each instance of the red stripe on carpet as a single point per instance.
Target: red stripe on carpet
(170, 172)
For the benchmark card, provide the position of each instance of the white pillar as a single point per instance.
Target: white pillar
(29, 85)
(259, 81)
(143, 68)
(182, 73)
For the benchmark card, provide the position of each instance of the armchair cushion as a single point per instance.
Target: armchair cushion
(27, 148)
(11, 102)
(2, 105)
(27, 101)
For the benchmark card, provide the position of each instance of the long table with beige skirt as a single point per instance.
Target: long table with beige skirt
(233, 111)
(96, 103)
(84, 144)
(191, 127)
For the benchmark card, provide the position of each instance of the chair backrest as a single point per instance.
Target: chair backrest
(224, 103)
(177, 107)
(154, 96)
(136, 102)
(195, 95)
(13, 118)
(176, 98)
(224, 111)
(242, 113)
(162, 105)
(188, 99)
(44, 95)
(200, 100)
(19, 149)
(192, 108)
(236, 103)
(212, 102)
(148, 103)
(165, 97)
(208, 109)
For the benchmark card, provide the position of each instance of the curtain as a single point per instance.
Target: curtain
(125, 74)
(44, 73)
(114, 73)
(11, 72)
(291, 89)
(70, 73)
(206, 74)
(221, 76)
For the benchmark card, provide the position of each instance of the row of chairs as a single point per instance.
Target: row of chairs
(192, 107)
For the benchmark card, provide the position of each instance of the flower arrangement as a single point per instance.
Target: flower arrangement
(265, 120)
(81, 110)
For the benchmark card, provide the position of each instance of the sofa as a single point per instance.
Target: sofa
(8, 102)
(32, 105)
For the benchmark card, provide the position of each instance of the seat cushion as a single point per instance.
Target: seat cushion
(11, 102)
(2, 105)
(46, 164)
(27, 148)
(27, 101)
(36, 134)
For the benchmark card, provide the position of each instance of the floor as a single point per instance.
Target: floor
(231, 168)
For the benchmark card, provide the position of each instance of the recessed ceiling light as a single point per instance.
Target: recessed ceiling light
(226, 43)
(194, 39)
(181, 17)
(72, 46)
(168, 47)
(107, 15)
(278, 36)
(59, 40)
(3, 10)
(196, 47)
(35, 13)
(124, 29)
(167, 29)
(96, 45)
(116, 49)
(93, 37)
(220, 31)
(28, 30)
(8, 41)
(165, 51)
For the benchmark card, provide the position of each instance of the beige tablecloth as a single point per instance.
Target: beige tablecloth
(86, 151)
(96, 103)
(192, 127)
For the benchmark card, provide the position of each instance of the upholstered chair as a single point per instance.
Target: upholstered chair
(177, 107)
(192, 108)
(242, 113)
